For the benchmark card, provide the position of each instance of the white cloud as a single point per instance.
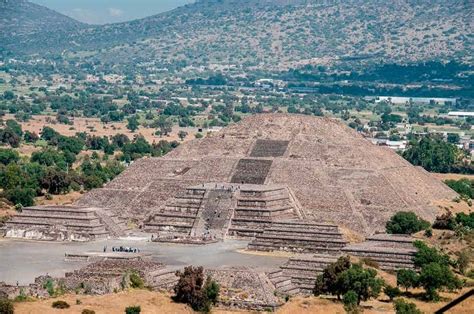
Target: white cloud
(115, 12)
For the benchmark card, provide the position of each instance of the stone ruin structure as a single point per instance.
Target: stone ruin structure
(59, 223)
(111, 275)
(300, 237)
(266, 169)
(217, 210)
(332, 174)
(390, 251)
(298, 274)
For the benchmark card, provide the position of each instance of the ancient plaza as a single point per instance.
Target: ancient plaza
(280, 183)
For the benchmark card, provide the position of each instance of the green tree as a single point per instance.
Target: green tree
(164, 124)
(362, 281)
(49, 134)
(50, 157)
(21, 196)
(71, 144)
(30, 137)
(56, 181)
(406, 223)
(453, 138)
(8, 156)
(9, 137)
(133, 123)
(407, 278)
(435, 276)
(15, 127)
(327, 281)
(426, 255)
(433, 154)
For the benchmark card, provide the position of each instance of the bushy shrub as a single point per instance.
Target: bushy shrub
(191, 289)
(60, 304)
(391, 292)
(87, 311)
(402, 307)
(444, 221)
(465, 220)
(136, 281)
(6, 306)
(426, 255)
(350, 302)
(406, 223)
(133, 309)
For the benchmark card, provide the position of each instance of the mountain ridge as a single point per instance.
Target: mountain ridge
(274, 32)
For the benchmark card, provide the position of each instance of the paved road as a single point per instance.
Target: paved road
(23, 261)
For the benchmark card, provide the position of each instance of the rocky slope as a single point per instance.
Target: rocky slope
(252, 32)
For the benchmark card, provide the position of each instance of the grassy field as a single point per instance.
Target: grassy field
(94, 126)
(153, 302)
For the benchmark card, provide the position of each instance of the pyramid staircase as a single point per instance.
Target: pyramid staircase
(258, 206)
(177, 217)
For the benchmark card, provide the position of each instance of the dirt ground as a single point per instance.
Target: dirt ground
(94, 126)
(150, 302)
(153, 302)
(64, 199)
(452, 176)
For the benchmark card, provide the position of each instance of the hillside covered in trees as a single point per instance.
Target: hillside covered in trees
(254, 33)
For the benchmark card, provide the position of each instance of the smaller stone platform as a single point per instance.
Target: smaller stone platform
(299, 236)
(390, 251)
(64, 223)
(298, 274)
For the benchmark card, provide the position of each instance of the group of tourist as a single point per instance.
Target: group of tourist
(124, 249)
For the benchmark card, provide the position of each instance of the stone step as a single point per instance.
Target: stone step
(303, 223)
(176, 215)
(307, 230)
(379, 252)
(299, 239)
(169, 224)
(46, 224)
(60, 210)
(299, 233)
(245, 230)
(301, 269)
(290, 248)
(256, 220)
(48, 215)
(260, 210)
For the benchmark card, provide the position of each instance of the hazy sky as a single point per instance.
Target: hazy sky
(110, 11)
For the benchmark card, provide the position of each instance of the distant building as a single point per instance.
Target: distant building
(415, 100)
(395, 145)
(461, 114)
